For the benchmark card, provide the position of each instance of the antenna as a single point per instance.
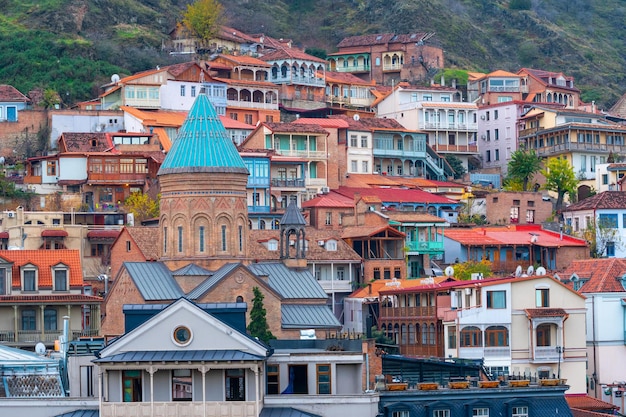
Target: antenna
(541, 270)
(40, 348)
(115, 78)
(449, 271)
(356, 117)
(518, 271)
(530, 270)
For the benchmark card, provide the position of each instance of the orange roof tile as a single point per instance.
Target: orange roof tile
(45, 260)
(244, 60)
(166, 142)
(330, 200)
(512, 235)
(373, 289)
(603, 275)
(323, 122)
(586, 402)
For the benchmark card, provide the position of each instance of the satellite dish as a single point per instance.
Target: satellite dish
(115, 78)
(541, 271)
(518, 271)
(449, 271)
(40, 348)
(356, 117)
(530, 270)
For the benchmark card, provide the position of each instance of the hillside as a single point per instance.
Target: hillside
(74, 46)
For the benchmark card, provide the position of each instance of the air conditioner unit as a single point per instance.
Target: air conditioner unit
(468, 291)
(320, 242)
(482, 117)
(11, 214)
(325, 190)
(483, 137)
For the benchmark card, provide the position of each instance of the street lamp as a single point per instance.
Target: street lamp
(559, 350)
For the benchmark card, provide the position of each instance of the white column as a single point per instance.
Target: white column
(257, 389)
(151, 370)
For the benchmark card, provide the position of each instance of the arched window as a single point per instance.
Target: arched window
(431, 334)
(424, 334)
(239, 299)
(496, 336)
(471, 336)
(411, 329)
(543, 335)
(403, 334)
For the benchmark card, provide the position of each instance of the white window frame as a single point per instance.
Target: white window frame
(29, 268)
(54, 278)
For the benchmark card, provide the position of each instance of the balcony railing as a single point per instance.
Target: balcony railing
(252, 105)
(456, 148)
(143, 103)
(500, 352)
(180, 409)
(575, 146)
(319, 82)
(295, 183)
(336, 285)
(424, 246)
(448, 126)
(353, 68)
(36, 336)
(407, 312)
(392, 67)
(546, 354)
(302, 153)
(258, 209)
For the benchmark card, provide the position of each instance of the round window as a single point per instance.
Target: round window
(182, 335)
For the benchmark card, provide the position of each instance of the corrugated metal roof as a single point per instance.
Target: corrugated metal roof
(81, 413)
(154, 280)
(9, 356)
(207, 284)
(289, 283)
(192, 269)
(309, 316)
(202, 144)
(284, 412)
(180, 355)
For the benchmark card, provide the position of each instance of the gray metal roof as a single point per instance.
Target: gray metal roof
(289, 283)
(217, 276)
(81, 413)
(192, 269)
(154, 280)
(175, 355)
(301, 316)
(284, 412)
(292, 216)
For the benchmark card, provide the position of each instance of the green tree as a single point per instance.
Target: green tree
(142, 206)
(600, 235)
(523, 166)
(50, 99)
(560, 178)
(457, 165)
(464, 271)
(203, 19)
(258, 322)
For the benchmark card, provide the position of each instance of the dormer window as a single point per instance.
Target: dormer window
(331, 245)
(272, 245)
(61, 278)
(5, 281)
(29, 279)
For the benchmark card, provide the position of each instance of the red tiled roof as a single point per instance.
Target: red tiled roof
(383, 38)
(586, 402)
(345, 78)
(397, 195)
(603, 275)
(45, 260)
(12, 94)
(604, 200)
(144, 238)
(330, 200)
(53, 233)
(371, 123)
(368, 231)
(289, 54)
(244, 60)
(545, 312)
(323, 122)
(372, 180)
(85, 142)
(295, 128)
(373, 289)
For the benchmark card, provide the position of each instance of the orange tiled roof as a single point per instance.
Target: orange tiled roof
(586, 402)
(323, 122)
(166, 142)
(330, 200)
(158, 117)
(250, 83)
(50, 299)
(502, 73)
(345, 78)
(545, 312)
(604, 275)
(370, 180)
(244, 60)
(373, 289)
(45, 260)
(290, 53)
(512, 235)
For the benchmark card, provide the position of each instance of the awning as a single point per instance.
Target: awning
(53, 233)
(4, 235)
(103, 234)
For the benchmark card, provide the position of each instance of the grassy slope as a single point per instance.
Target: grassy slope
(73, 46)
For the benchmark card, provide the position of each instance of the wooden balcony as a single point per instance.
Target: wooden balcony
(390, 313)
(116, 178)
(353, 68)
(32, 179)
(284, 183)
(472, 149)
(32, 337)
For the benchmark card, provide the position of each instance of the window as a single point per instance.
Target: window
(496, 299)
(269, 118)
(480, 412)
(240, 238)
(233, 116)
(451, 337)
(365, 167)
(496, 134)
(543, 335)
(273, 379)
(60, 280)
(605, 179)
(341, 271)
(235, 385)
(496, 336)
(224, 237)
(29, 321)
(542, 297)
(131, 386)
(519, 412)
(353, 166)
(193, 91)
(530, 203)
(329, 218)
(323, 379)
(530, 216)
(272, 245)
(495, 115)
(182, 91)
(610, 249)
(201, 238)
(164, 240)
(353, 141)
(4, 287)
(364, 141)
(182, 385)
(488, 158)
(471, 336)
(331, 245)
(180, 239)
(29, 277)
(608, 220)
(49, 319)
(247, 118)
(400, 413)
(497, 156)
(441, 413)
(51, 168)
(514, 218)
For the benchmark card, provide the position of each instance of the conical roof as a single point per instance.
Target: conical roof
(292, 216)
(202, 144)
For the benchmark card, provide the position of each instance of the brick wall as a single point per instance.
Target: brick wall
(499, 207)
(23, 133)
(120, 254)
(123, 291)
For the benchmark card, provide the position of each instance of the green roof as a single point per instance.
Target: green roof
(202, 144)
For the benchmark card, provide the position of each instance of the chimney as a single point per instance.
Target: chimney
(454, 83)
(369, 288)
(443, 81)
(432, 82)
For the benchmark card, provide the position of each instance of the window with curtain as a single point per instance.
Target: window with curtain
(496, 299)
